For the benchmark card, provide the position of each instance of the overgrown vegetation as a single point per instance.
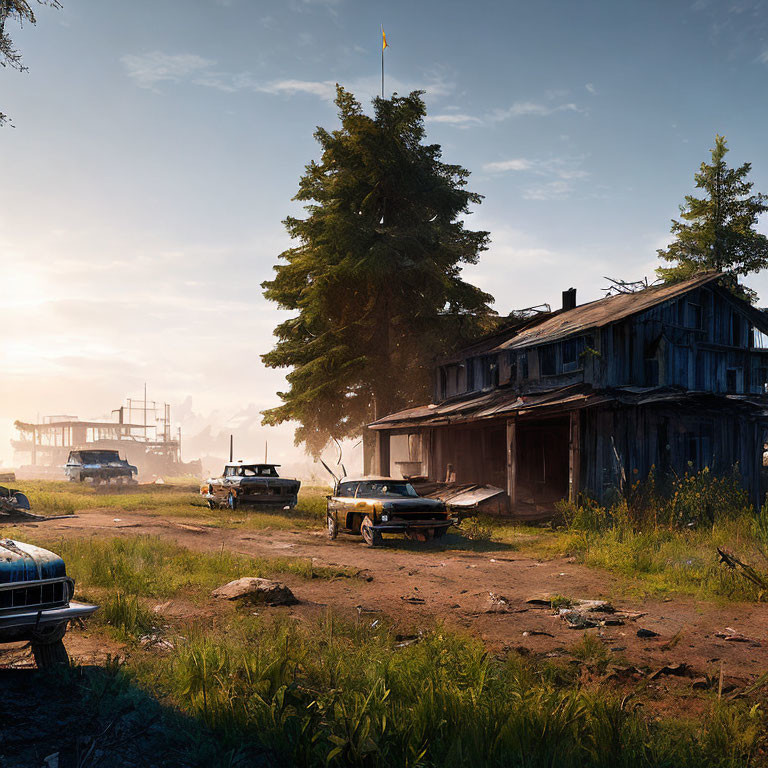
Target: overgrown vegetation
(667, 535)
(340, 694)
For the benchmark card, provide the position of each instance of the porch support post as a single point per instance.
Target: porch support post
(512, 463)
(382, 452)
(574, 456)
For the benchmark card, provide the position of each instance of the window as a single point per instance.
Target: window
(736, 329)
(695, 317)
(443, 384)
(761, 379)
(524, 366)
(512, 357)
(572, 352)
(490, 372)
(548, 358)
(470, 375)
(734, 380)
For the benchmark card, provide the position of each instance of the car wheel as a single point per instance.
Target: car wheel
(372, 538)
(50, 654)
(440, 532)
(232, 501)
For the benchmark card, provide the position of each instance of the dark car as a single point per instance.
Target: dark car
(372, 506)
(36, 600)
(251, 484)
(100, 466)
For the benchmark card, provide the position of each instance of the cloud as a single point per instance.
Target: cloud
(149, 69)
(591, 88)
(764, 56)
(533, 109)
(457, 119)
(559, 172)
(552, 190)
(502, 166)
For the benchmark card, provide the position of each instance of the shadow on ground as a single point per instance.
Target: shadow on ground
(89, 717)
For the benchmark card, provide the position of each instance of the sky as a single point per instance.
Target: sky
(156, 148)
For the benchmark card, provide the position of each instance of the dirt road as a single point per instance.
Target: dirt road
(418, 586)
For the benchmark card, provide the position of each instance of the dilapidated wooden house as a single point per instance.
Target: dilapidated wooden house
(591, 397)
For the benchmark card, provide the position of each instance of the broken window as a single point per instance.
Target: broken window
(734, 380)
(573, 349)
(736, 330)
(548, 358)
(512, 357)
(695, 317)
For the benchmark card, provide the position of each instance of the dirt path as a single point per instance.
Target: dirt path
(417, 586)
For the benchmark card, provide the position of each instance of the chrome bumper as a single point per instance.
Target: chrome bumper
(393, 526)
(44, 617)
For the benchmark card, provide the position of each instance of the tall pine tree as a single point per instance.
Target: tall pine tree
(375, 280)
(718, 230)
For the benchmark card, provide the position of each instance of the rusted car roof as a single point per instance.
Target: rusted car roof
(601, 312)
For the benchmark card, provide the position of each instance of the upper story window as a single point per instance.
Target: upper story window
(490, 372)
(694, 316)
(737, 325)
(548, 360)
(524, 366)
(470, 375)
(512, 358)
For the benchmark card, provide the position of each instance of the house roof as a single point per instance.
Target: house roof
(491, 405)
(602, 312)
(506, 402)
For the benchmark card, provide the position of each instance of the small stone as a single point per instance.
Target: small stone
(647, 633)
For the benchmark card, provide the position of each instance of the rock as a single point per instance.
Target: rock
(671, 669)
(497, 603)
(700, 683)
(540, 601)
(647, 633)
(255, 590)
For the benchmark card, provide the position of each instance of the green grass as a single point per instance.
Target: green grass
(337, 693)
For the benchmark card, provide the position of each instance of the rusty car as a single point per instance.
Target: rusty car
(99, 466)
(36, 602)
(374, 506)
(257, 485)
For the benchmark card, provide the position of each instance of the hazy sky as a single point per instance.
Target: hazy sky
(158, 144)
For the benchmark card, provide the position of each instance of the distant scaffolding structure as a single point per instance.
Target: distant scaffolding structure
(140, 430)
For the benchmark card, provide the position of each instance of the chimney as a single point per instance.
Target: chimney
(569, 299)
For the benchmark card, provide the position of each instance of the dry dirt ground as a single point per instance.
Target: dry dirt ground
(418, 585)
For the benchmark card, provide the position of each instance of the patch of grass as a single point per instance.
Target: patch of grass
(147, 566)
(126, 615)
(332, 693)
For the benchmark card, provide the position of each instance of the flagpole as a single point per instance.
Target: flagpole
(382, 62)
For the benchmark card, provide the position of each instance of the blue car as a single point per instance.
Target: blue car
(36, 602)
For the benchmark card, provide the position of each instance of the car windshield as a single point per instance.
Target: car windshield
(381, 489)
(97, 457)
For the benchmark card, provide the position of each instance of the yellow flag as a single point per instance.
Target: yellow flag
(383, 39)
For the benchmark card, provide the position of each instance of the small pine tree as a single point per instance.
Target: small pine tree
(718, 230)
(375, 278)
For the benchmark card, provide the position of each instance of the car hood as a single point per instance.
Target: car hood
(405, 503)
(25, 562)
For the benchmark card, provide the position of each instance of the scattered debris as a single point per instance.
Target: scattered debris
(700, 683)
(535, 632)
(252, 589)
(747, 571)
(623, 674)
(731, 635)
(679, 670)
(540, 601)
(647, 633)
(154, 640)
(497, 604)
(412, 599)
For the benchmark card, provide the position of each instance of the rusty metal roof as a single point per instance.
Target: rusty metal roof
(491, 405)
(601, 312)
(506, 402)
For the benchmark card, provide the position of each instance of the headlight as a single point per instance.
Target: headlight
(384, 518)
